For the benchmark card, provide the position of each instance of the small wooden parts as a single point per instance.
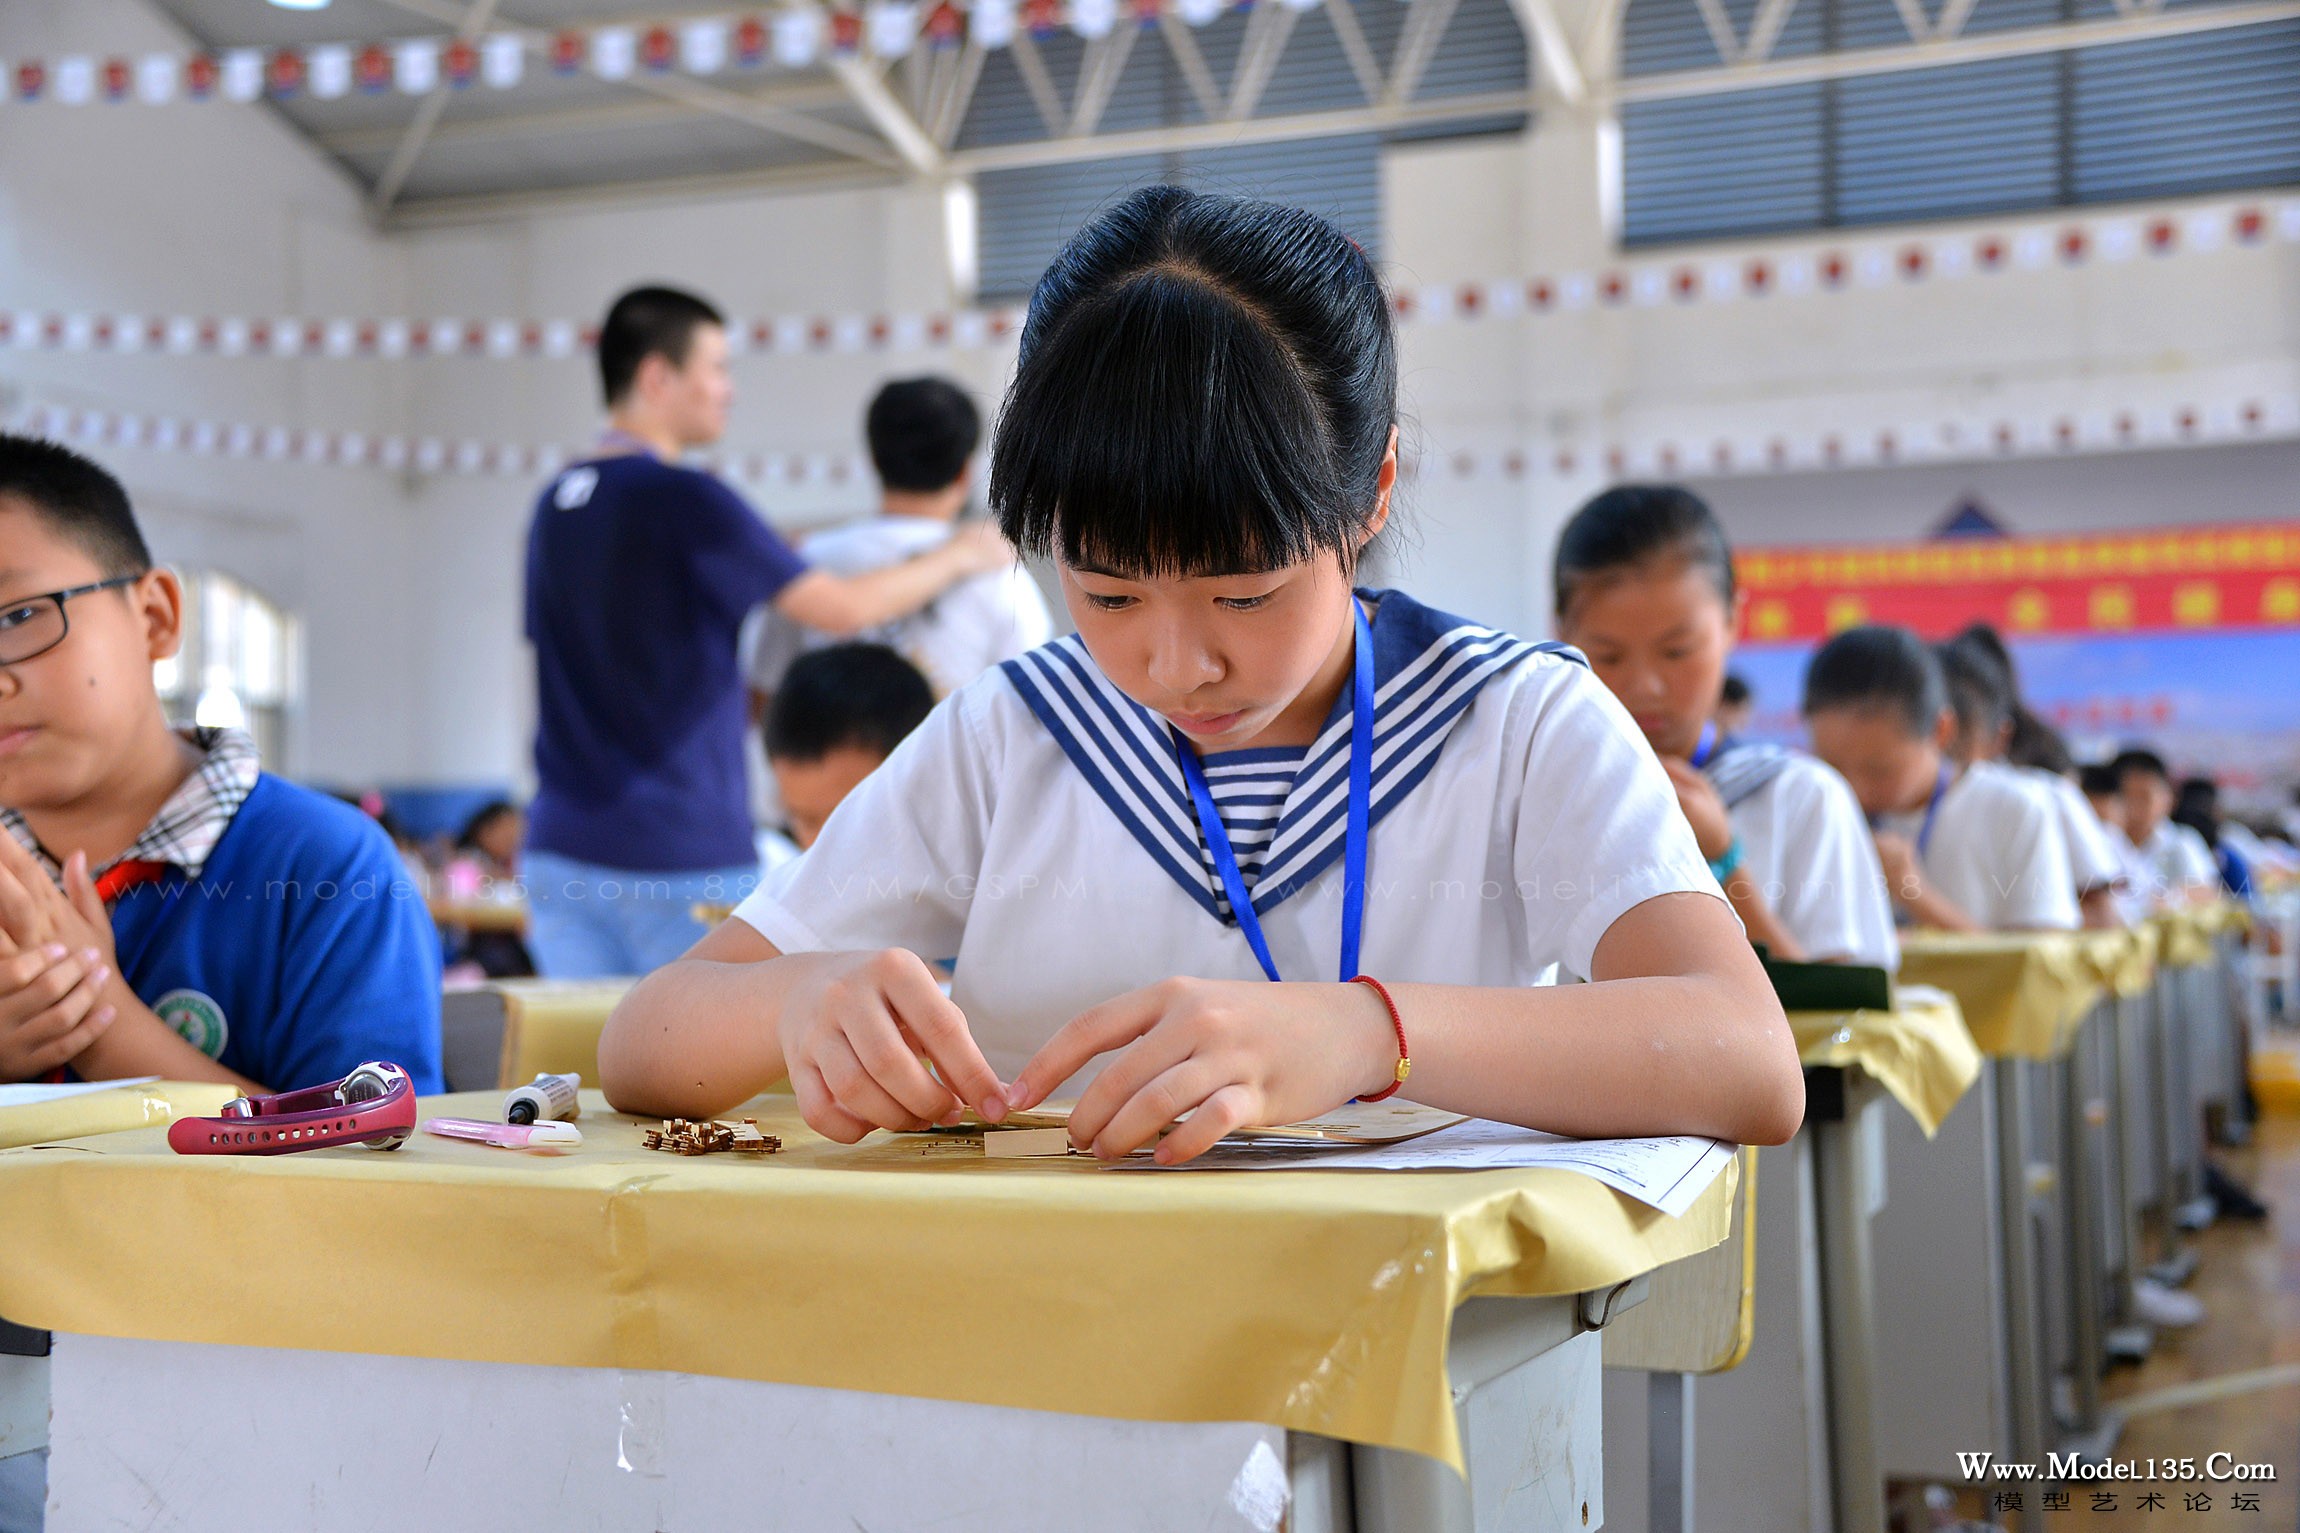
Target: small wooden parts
(686, 1136)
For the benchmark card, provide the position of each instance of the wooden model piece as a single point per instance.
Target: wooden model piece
(686, 1136)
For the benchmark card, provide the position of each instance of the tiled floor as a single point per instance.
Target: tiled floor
(2250, 1282)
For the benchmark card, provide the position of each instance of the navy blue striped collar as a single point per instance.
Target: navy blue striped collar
(1428, 668)
(1738, 768)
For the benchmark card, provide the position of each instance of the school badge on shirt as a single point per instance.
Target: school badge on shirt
(197, 1019)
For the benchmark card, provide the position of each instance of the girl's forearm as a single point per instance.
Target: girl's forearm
(695, 1037)
(1765, 928)
(1704, 1054)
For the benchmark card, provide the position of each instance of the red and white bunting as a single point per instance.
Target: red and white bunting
(1800, 449)
(1657, 284)
(793, 37)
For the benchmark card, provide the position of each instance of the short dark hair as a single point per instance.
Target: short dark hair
(648, 322)
(78, 499)
(481, 818)
(1985, 636)
(1634, 525)
(1736, 691)
(1878, 667)
(1980, 688)
(921, 432)
(1206, 385)
(2097, 779)
(862, 695)
(2139, 759)
(2038, 745)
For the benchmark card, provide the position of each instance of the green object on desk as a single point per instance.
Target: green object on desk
(1828, 986)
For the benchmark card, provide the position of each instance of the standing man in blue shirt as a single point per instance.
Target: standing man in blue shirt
(639, 574)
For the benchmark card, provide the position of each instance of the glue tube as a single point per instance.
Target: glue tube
(548, 1097)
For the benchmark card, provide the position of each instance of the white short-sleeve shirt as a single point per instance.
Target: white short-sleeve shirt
(1997, 851)
(963, 632)
(2093, 859)
(1037, 829)
(1806, 843)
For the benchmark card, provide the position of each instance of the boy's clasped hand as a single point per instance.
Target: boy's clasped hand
(56, 959)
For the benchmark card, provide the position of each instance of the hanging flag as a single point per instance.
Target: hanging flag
(567, 50)
(1199, 13)
(415, 66)
(76, 79)
(614, 50)
(1093, 18)
(1042, 17)
(461, 61)
(703, 46)
(1147, 12)
(992, 22)
(502, 59)
(243, 75)
(286, 74)
(200, 76)
(658, 50)
(798, 36)
(330, 71)
(945, 26)
(846, 32)
(31, 80)
(156, 77)
(371, 69)
(893, 27)
(750, 42)
(116, 79)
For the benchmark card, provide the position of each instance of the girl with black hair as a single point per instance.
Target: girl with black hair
(1644, 587)
(1162, 851)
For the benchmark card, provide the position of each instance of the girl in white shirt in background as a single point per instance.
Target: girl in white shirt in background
(1965, 848)
(1986, 702)
(1164, 851)
(1644, 587)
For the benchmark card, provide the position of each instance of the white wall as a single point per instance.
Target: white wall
(217, 209)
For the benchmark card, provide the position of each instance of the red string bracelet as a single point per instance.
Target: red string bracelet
(1405, 1057)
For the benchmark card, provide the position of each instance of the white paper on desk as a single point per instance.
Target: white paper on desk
(33, 1095)
(1667, 1173)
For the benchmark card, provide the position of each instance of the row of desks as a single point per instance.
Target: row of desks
(1336, 1346)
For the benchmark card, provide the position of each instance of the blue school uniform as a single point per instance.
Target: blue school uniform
(300, 949)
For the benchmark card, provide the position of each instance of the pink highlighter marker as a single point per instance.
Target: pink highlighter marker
(508, 1136)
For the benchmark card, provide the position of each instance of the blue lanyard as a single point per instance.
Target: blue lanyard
(1354, 836)
(1932, 808)
(1705, 747)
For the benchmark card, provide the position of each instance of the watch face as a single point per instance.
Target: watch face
(369, 1083)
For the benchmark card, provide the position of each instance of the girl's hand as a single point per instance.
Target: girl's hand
(852, 1033)
(51, 1008)
(1703, 807)
(1230, 1053)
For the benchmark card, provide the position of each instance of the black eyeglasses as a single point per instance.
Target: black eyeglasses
(30, 626)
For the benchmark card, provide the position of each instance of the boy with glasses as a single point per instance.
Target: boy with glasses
(167, 907)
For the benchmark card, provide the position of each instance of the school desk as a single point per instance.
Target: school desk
(900, 1332)
(1995, 1248)
(480, 915)
(1787, 1437)
(2190, 1059)
(505, 1032)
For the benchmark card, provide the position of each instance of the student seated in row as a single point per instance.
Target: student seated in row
(1644, 588)
(1965, 847)
(1986, 702)
(1164, 851)
(166, 906)
(837, 715)
(2169, 863)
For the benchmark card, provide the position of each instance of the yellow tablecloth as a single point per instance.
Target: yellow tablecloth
(106, 1112)
(1919, 1052)
(2024, 994)
(2185, 935)
(1314, 1300)
(553, 1026)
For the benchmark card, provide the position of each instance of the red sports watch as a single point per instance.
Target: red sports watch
(374, 1106)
